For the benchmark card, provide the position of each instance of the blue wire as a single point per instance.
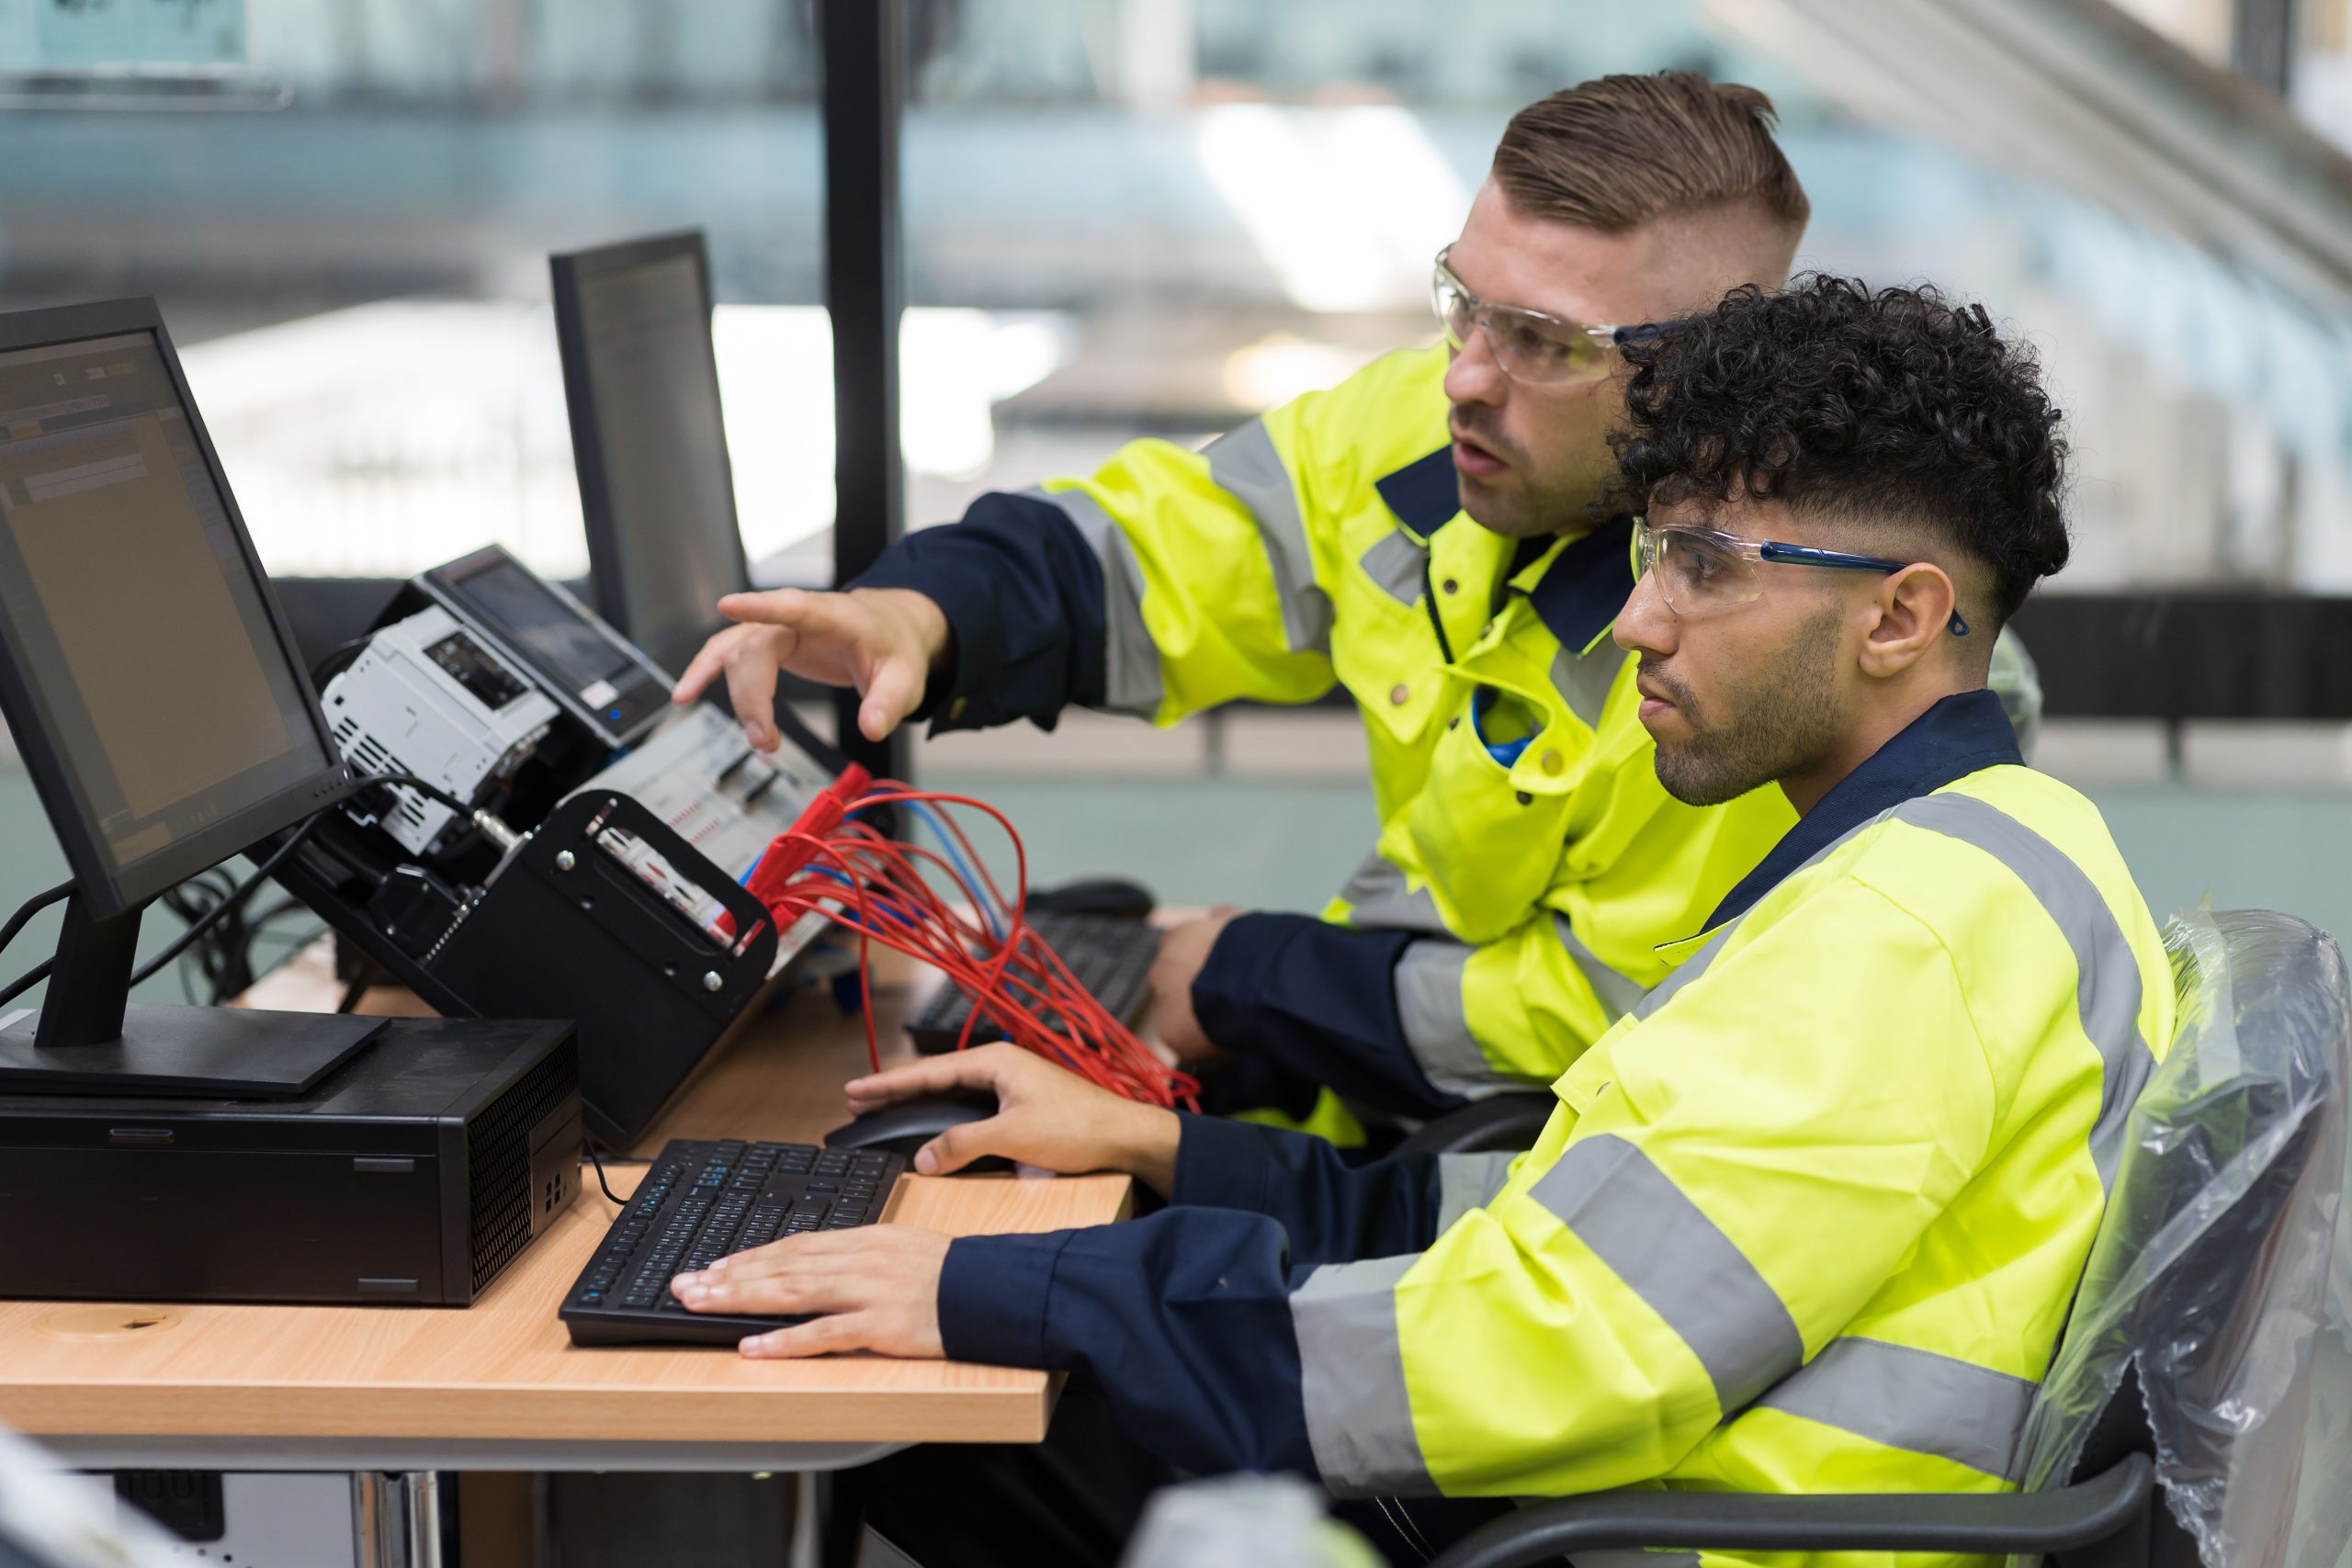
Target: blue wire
(962, 871)
(745, 880)
(895, 912)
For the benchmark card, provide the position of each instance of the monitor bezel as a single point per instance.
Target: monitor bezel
(568, 271)
(105, 890)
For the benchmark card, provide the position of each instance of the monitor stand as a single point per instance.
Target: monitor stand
(88, 1039)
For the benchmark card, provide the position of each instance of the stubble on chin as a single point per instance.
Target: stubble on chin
(1767, 730)
(1510, 513)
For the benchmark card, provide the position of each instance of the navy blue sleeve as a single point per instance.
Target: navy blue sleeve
(1318, 1000)
(1181, 1319)
(1023, 593)
(1332, 1211)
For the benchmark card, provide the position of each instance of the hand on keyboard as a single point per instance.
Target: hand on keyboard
(871, 1289)
(700, 1201)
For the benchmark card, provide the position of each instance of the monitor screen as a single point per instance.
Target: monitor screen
(142, 630)
(668, 503)
(545, 627)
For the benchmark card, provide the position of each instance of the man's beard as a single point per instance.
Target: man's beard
(1773, 726)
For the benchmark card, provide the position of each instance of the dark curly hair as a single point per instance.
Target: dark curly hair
(1894, 406)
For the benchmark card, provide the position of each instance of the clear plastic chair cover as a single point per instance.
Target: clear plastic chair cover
(2220, 1270)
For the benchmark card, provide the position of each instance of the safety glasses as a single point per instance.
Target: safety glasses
(1531, 346)
(1699, 570)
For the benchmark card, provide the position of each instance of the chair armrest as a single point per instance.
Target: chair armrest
(1989, 1524)
(1500, 1121)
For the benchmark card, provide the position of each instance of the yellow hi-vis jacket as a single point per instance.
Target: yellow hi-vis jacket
(1807, 1219)
(1528, 865)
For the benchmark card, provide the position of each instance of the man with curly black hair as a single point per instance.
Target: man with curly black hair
(1807, 1219)
(1890, 426)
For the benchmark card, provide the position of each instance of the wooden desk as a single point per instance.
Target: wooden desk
(498, 1385)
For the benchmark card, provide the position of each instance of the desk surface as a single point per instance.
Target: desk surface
(504, 1370)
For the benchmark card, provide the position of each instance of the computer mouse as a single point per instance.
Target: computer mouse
(911, 1124)
(1094, 895)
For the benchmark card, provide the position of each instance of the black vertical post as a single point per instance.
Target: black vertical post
(2263, 38)
(861, 45)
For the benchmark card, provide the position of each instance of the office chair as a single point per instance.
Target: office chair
(1509, 1121)
(2211, 1271)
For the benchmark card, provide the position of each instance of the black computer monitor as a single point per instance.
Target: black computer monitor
(150, 682)
(657, 494)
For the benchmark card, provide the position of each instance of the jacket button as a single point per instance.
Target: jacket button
(1525, 798)
(1399, 695)
(955, 709)
(1452, 586)
(1455, 723)
(1551, 763)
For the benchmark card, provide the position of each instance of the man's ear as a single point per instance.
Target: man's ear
(1914, 607)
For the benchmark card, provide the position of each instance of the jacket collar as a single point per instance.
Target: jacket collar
(1580, 593)
(1586, 586)
(1423, 493)
(1959, 734)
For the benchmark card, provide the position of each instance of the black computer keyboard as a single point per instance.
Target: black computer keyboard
(1110, 955)
(700, 1202)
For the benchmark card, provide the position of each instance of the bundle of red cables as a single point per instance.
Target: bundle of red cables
(831, 865)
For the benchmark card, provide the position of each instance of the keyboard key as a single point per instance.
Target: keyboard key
(702, 1201)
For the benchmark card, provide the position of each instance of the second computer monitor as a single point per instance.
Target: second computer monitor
(656, 491)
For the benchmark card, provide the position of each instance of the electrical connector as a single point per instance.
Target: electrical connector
(791, 851)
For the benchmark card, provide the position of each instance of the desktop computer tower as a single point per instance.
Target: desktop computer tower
(413, 1174)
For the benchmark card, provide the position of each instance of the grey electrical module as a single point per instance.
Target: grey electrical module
(430, 697)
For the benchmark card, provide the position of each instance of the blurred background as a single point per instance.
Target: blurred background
(1127, 217)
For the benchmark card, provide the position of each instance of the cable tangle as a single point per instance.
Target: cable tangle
(883, 890)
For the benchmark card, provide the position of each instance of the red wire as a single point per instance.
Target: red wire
(1014, 979)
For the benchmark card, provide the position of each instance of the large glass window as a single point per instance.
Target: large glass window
(357, 282)
(1224, 203)
(1123, 216)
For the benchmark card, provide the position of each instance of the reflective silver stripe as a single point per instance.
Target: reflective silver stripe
(1131, 682)
(1633, 1557)
(1244, 464)
(2107, 973)
(1911, 1399)
(1428, 979)
(1469, 1181)
(1618, 994)
(1352, 1380)
(1672, 1256)
(1696, 964)
(1377, 898)
(1396, 564)
(1585, 678)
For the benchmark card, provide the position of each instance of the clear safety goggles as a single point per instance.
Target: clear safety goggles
(1699, 572)
(1530, 345)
